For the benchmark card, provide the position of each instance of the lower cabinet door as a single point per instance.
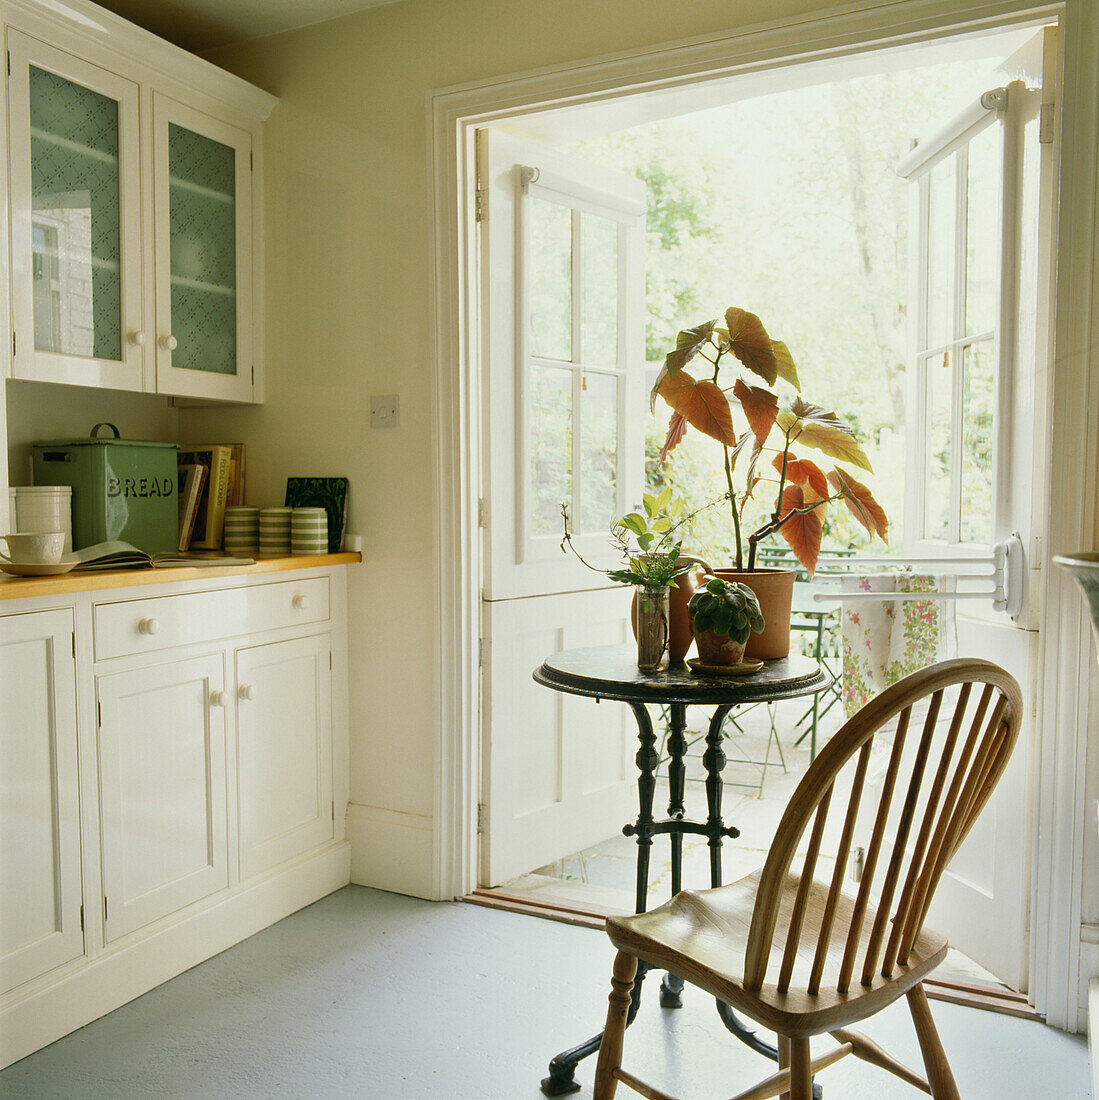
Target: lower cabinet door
(40, 885)
(162, 789)
(284, 750)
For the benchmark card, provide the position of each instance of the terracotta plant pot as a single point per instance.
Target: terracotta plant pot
(718, 649)
(679, 623)
(774, 588)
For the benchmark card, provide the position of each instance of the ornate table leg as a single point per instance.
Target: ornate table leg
(562, 1067)
(671, 987)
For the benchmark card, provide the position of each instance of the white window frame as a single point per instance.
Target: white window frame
(535, 183)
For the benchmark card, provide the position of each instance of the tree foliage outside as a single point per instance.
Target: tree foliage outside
(789, 206)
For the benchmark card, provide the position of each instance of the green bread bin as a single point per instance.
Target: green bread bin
(124, 489)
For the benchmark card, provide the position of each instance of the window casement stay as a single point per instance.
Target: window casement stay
(1007, 573)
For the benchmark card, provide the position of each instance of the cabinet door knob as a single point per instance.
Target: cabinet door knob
(138, 339)
(246, 691)
(300, 602)
(219, 699)
(149, 626)
(169, 343)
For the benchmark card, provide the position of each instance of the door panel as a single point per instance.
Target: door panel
(284, 751)
(975, 457)
(564, 378)
(162, 790)
(560, 774)
(40, 888)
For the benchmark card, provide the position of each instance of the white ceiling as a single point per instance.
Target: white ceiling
(202, 24)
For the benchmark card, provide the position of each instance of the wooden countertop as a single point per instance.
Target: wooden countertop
(18, 588)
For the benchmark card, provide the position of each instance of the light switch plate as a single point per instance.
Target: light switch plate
(385, 412)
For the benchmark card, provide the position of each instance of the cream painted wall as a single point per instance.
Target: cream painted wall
(41, 411)
(349, 265)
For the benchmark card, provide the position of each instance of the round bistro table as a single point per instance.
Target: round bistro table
(610, 672)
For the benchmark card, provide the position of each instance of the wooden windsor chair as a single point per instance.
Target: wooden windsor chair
(800, 955)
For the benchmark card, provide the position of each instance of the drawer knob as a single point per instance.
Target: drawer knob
(169, 343)
(149, 626)
(246, 691)
(300, 601)
(219, 699)
(137, 339)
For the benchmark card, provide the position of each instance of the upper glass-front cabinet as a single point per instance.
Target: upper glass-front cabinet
(75, 196)
(202, 201)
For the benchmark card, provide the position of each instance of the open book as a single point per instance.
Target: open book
(121, 555)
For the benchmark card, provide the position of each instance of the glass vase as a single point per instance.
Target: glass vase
(652, 629)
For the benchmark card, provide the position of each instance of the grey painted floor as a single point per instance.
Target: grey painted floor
(372, 995)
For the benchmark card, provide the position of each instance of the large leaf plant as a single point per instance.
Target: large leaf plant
(706, 404)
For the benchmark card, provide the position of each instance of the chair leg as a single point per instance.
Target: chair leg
(939, 1076)
(783, 1059)
(801, 1072)
(610, 1049)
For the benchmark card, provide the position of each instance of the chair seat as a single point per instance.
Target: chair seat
(701, 935)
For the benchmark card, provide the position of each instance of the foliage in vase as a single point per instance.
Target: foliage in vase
(726, 607)
(646, 540)
(804, 490)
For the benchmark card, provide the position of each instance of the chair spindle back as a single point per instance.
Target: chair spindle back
(929, 798)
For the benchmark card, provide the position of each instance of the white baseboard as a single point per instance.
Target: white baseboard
(70, 997)
(391, 850)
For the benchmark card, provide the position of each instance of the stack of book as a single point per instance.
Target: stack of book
(211, 477)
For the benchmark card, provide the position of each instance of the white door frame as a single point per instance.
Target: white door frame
(1067, 658)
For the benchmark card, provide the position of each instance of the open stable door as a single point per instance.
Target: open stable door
(562, 294)
(977, 394)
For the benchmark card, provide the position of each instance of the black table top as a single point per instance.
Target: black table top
(611, 672)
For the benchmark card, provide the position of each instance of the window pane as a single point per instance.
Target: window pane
(76, 235)
(978, 382)
(598, 451)
(940, 415)
(550, 280)
(940, 254)
(599, 313)
(202, 214)
(550, 448)
(983, 232)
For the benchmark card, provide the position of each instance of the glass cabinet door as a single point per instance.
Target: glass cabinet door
(75, 192)
(202, 181)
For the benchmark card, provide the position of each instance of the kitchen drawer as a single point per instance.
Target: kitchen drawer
(164, 622)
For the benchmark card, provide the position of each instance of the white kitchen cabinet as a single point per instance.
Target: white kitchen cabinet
(75, 187)
(173, 776)
(284, 751)
(136, 212)
(202, 200)
(162, 796)
(40, 881)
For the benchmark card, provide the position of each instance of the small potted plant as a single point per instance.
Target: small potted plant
(803, 489)
(652, 564)
(724, 614)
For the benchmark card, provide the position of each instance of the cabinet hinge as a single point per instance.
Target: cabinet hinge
(1045, 124)
(482, 513)
(74, 645)
(99, 714)
(480, 818)
(482, 652)
(82, 918)
(251, 161)
(9, 62)
(104, 908)
(333, 811)
(13, 344)
(480, 175)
